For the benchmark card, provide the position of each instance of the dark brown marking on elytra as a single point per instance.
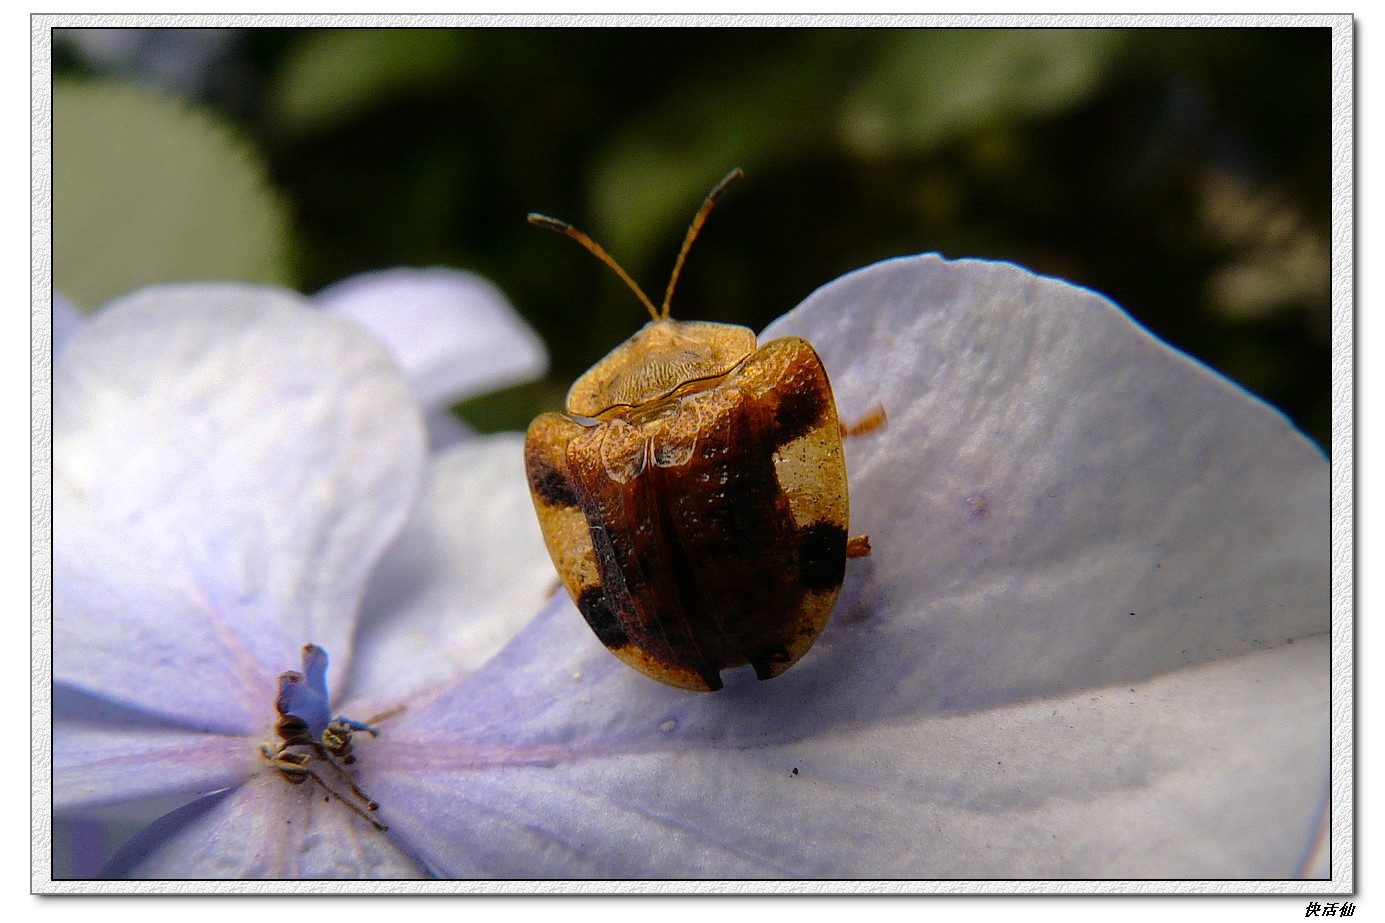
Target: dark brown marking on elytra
(615, 550)
(800, 411)
(822, 556)
(603, 621)
(547, 483)
(698, 561)
(644, 577)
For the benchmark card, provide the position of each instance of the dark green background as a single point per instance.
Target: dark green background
(1185, 173)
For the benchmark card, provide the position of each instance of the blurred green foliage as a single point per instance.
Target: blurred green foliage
(1185, 173)
(181, 198)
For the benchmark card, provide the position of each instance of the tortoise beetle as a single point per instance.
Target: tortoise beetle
(693, 498)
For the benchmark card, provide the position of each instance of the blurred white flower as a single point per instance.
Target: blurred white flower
(455, 333)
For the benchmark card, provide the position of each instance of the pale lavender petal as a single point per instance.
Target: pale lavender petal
(95, 766)
(1089, 642)
(455, 333)
(105, 754)
(445, 428)
(86, 839)
(467, 572)
(228, 465)
(1059, 500)
(557, 761)
(1318, 863)
(67, 318)
(266, 828)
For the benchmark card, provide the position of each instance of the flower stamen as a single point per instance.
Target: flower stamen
(302, 707)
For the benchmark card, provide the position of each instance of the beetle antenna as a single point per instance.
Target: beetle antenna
(693, 228)
(562, 227)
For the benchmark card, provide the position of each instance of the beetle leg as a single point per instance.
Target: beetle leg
(858, 546)
(873, 421)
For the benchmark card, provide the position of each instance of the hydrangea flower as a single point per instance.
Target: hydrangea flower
(1091, 641)
(454, 333)
(231, 462)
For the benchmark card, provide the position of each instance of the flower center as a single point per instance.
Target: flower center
(312, 746)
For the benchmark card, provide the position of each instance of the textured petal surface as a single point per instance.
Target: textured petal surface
(228, 466)
(455, 333)
(465, 575)
(99, 767)
(1217, 771)
(104, 755)
(1090, 643)
(266, 828)
(1059, 499)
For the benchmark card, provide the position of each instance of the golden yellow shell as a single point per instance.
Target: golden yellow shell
(700, 520)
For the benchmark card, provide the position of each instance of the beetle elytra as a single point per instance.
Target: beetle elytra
(693, 497)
